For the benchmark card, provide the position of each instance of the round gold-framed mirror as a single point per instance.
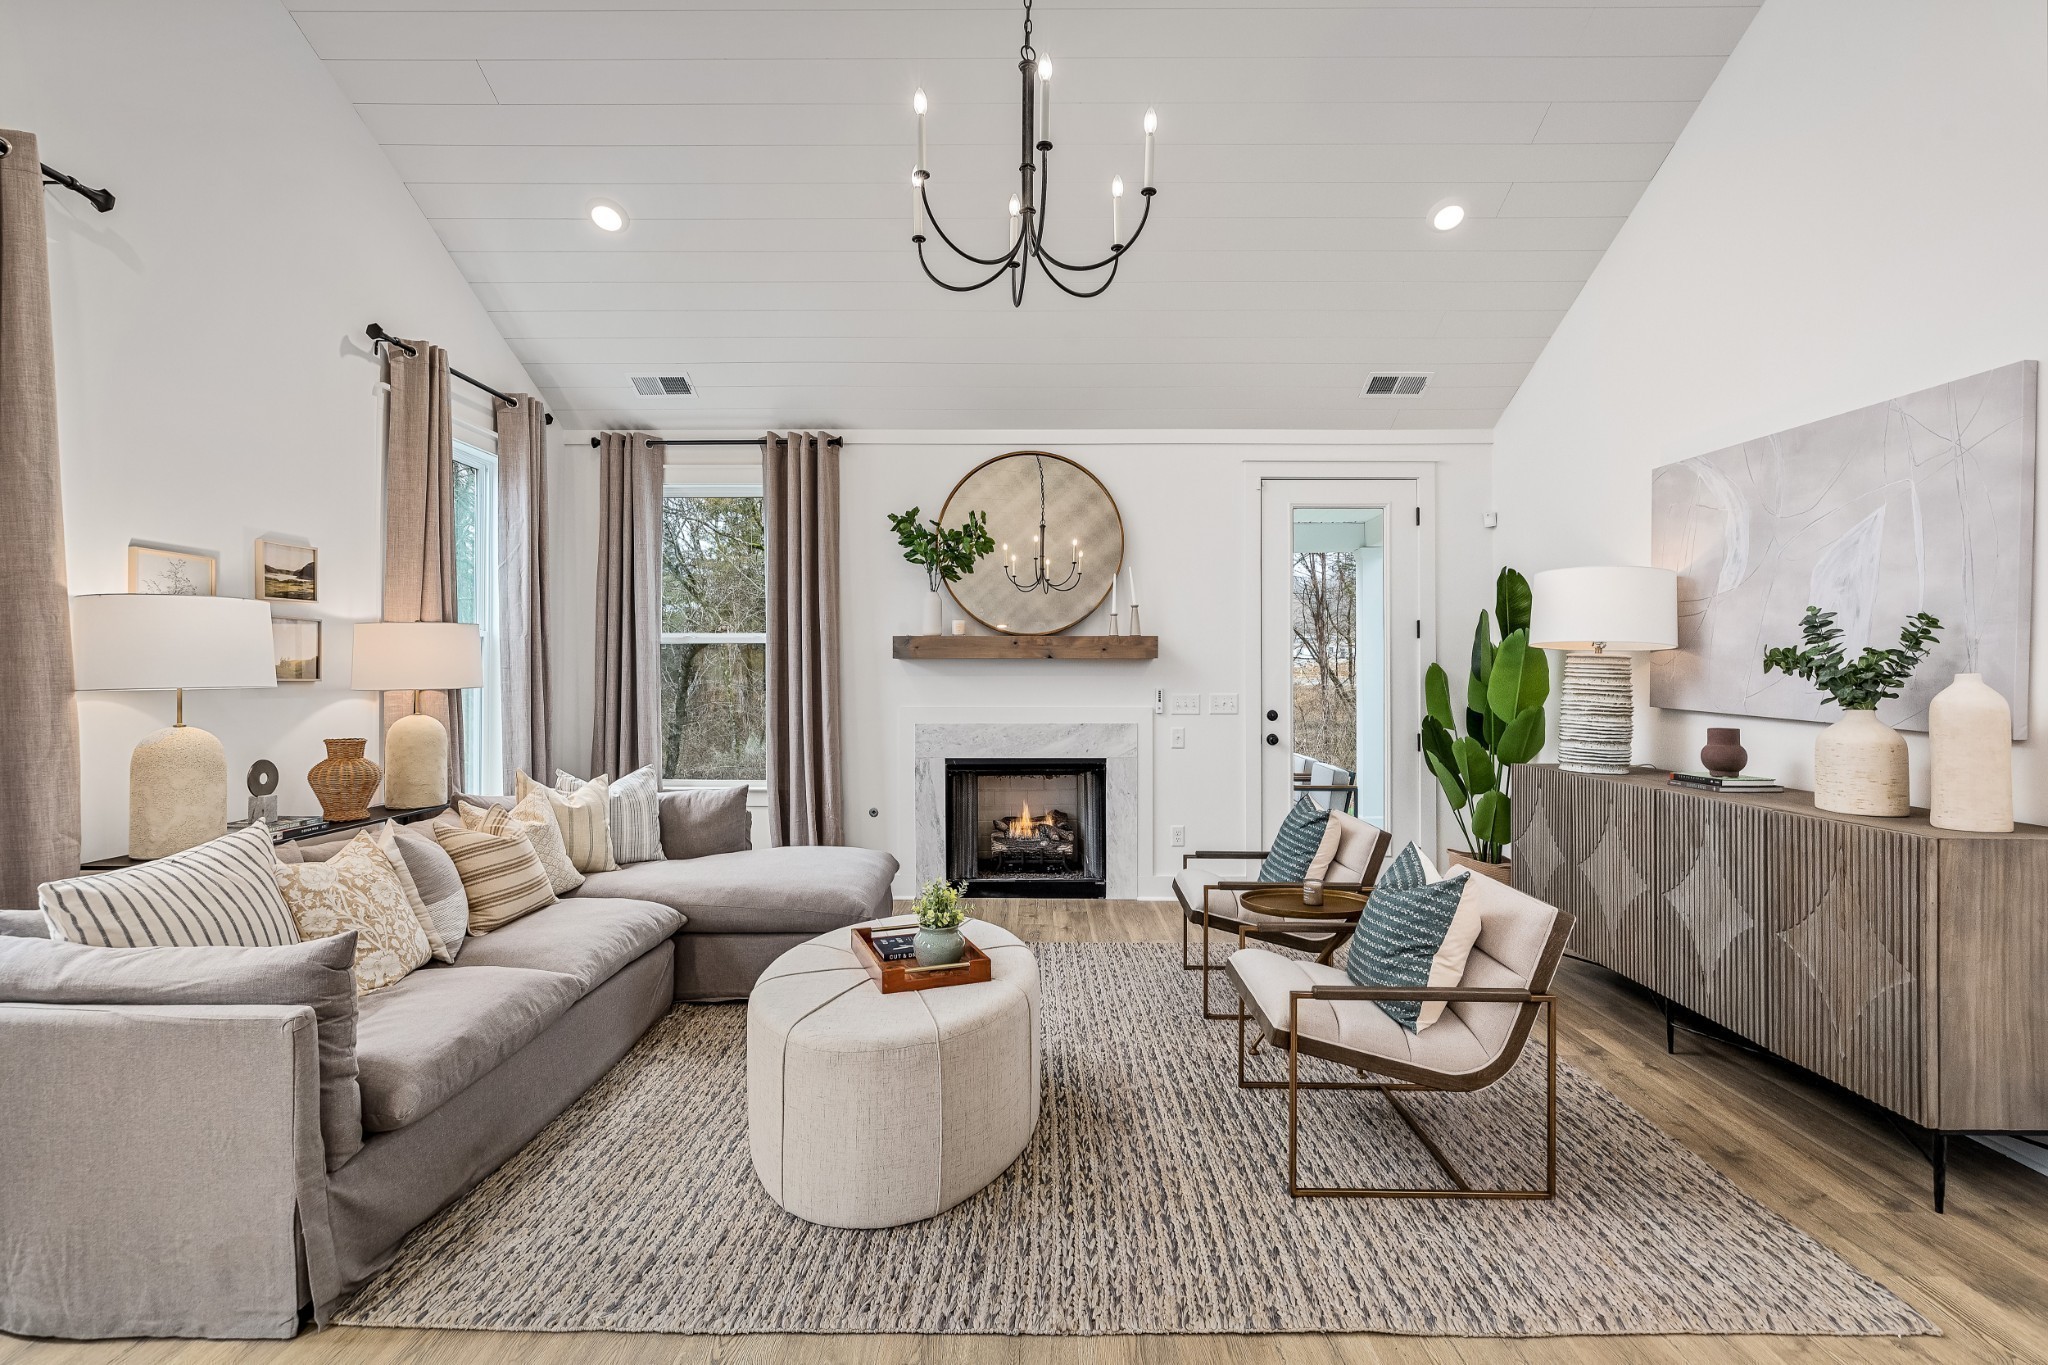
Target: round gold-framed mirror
(1034, 498)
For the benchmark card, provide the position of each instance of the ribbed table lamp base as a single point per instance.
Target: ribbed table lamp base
(1596, 712)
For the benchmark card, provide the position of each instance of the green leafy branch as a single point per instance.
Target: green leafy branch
(944, 555)
(1504, 695)
(1857, 684)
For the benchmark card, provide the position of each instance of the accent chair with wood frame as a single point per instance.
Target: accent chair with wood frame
(1313, 1008)
(1361, 848)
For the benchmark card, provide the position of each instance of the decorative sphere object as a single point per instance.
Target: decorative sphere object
(1969, 734)
(1724, 755)
(344, 780)
(1859, 767)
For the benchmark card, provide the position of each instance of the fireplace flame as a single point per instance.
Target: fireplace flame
(1021, 826)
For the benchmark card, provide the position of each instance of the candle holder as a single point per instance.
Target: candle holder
(1134, 620)
(1114, 628)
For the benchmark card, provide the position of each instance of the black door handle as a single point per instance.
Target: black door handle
(1272, 739)
(1272, 715)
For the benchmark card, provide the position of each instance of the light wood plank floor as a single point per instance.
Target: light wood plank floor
(1834, 1169)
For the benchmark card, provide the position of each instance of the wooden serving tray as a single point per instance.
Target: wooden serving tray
(908, 976)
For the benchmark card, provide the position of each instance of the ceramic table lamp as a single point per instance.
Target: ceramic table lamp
(1601, 616)
(416, 657)
(151, 642)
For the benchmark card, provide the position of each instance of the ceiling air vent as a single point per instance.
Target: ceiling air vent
(662, 386)
(1393, 385)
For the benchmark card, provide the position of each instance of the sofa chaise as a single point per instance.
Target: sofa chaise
(167, 1170)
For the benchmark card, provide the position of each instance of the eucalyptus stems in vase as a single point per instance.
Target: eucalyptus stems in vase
(1859, 762)
(946, 556)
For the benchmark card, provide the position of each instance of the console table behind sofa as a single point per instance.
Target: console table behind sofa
(1905, 963)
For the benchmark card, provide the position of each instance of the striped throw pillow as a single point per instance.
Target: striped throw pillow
(221, 894)
(1416, 931)
(533, 817)
(582, 813)
(635, 815)
(1295, 844)
(501, 874)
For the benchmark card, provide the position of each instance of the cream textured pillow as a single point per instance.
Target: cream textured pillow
(635, 814)
(220, 894)
(582, 814)
(501, 874)
(533, 817)
(359, 889)
(1447, 965)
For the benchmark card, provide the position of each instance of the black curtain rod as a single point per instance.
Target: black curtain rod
(596, 441)
(103, 200)
(377, 334)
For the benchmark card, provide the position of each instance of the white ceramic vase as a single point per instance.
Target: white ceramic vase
(1859, 767)
(1969, 734)
(934, 613)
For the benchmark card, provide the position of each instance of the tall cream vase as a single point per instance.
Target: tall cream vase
(1969, 734)
(1859, 767)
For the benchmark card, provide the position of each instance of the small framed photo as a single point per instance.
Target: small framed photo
(171, 573)
(296, 647)
(287, 573)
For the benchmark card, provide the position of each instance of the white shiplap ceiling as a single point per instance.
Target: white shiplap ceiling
(763, 153)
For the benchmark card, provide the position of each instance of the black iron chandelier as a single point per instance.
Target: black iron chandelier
(1027, 206)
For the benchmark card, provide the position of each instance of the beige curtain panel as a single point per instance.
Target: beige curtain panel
(38, 725)
(419, 520)
(626, 734)
(800, 481)
(523, 587)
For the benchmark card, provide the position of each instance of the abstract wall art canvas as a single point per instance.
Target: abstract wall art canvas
(1923, 503)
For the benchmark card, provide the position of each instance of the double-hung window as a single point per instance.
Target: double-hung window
(714, 634)
(476, 602)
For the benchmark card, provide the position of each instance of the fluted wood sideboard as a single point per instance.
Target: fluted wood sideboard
(1906, 963)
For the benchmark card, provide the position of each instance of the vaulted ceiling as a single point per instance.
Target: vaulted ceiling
(762, 153)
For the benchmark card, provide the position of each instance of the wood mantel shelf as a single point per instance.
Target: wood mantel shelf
(1027, 646)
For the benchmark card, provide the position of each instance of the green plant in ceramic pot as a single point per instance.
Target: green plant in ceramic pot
(939, 917)
(946, 556)
(1859, 762)
(1505, 690)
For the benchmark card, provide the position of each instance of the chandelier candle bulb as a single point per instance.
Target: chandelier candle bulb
(1151, 127)
(1045, 100)
(1016, 221)
(1116, 210)
(917, 102)
(916, 204)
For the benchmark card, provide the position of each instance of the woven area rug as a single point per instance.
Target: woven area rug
(1153, 1199)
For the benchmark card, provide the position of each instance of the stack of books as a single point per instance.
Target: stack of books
(1707, 782)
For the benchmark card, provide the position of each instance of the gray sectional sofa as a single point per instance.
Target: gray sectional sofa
(167, 1173)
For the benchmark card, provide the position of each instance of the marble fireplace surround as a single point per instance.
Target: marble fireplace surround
(1116, 735)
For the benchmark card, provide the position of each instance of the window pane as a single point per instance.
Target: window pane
(714, 575)
(1325, 643)
(468, 522)
(714, 700)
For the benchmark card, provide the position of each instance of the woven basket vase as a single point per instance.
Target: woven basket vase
(345, 780)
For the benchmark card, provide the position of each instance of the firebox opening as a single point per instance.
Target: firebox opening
(1025, 827)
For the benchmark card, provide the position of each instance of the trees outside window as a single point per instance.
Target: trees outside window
(714, 637)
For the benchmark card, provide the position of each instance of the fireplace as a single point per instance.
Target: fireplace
(1026, 826)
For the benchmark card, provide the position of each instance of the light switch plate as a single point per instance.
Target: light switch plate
(1180, 736)
(1187, 703)
(1180, 835)
(1223, 703)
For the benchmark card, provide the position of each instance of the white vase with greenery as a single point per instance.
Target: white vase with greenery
(946, 556)
(1859, 762)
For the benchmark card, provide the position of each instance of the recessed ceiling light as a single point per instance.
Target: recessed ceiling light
(1447, 217)
(610, 217)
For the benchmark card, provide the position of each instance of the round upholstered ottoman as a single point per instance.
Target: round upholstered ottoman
(867, 1110)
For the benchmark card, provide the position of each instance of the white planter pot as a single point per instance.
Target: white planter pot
(1969, 734)
(934, 613)
(1859, 767)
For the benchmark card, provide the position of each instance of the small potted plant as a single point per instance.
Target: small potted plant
(1859, 762)
(939, 917)
(946, 556)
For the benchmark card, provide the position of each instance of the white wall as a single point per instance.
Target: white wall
(213, 382)
(1854, 213)
(1190, 535)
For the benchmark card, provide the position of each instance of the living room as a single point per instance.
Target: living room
(394, 380)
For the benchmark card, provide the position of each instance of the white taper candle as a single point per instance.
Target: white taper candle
(1151, 127)
(916, 204)
(918, 102)
(1045, 99)
(1116, 211)
(1016, 220)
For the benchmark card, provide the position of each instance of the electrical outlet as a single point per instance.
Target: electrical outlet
(1223, 703)
(1187, 703)
(1180, 736)
(1179, 834)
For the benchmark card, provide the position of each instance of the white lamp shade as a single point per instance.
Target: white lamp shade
(1617, 608)
(417, 656)
(153, 642)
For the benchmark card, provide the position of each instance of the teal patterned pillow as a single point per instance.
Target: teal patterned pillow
(1405, 921)
(1295, 845)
